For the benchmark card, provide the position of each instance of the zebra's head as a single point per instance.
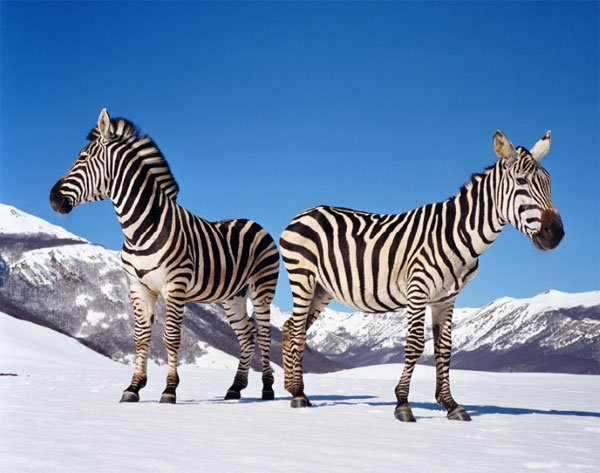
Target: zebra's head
(524, 189)
(88, 179)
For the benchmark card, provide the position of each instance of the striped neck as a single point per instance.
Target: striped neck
(477, 206)
(141, 188)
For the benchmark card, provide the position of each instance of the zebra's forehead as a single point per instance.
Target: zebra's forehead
(527, 164)
(89, 148)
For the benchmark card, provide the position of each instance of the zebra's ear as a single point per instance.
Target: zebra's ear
(104, 125)
(504, 148)
(540, 149)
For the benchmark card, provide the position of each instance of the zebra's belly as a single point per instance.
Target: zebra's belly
(364, 299)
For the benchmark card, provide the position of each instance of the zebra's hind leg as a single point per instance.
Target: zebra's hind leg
(175, 303)
(415, 343)
(235, 309)
(294, 333)
(441, 316)
(143, 307)
(262, 316)
(262, 286)
(321, 299)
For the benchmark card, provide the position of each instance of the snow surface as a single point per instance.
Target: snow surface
(61, 413)
(14, 221)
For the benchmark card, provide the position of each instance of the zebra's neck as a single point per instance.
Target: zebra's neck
(142, 191)
(477, 210)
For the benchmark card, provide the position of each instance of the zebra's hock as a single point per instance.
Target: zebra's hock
(288, 363)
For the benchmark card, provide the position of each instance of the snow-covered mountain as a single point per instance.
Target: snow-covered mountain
(59, 280)
(552, 332)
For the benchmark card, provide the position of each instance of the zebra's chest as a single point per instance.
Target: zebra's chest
(452, 281)
(151, 271)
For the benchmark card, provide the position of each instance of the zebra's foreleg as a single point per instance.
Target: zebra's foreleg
(441, 316)
(235, 309)
(175, 303)
(415, 343)
(143, 307)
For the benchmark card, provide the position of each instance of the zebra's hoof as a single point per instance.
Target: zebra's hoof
(168, 398)
(404, 414)
(300, 401)
(231, 394)
(268, 395)
(128, 396)
(459, 414)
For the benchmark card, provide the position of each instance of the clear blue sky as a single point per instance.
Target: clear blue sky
(265, 109)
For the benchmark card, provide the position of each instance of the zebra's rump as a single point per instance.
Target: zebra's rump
(353, 255)
(229, 255)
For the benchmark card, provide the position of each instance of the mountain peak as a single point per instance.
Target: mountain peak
(16, 222)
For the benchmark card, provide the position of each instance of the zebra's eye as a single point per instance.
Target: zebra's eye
(521, 181)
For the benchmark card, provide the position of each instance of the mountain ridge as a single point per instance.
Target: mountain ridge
(60, 280)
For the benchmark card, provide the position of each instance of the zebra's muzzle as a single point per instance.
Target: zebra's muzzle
(551, 232)
(59, 203)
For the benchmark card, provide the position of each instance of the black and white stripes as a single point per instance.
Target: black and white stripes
(370, 262)
(170, 252)
(378, 263)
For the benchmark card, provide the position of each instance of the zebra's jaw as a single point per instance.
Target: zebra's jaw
(551, 232)
(59, 203)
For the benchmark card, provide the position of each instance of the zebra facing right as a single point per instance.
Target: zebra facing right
(380, 263)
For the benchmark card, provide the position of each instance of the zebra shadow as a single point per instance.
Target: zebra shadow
(321, 401)
(317, 400)
(473, 410)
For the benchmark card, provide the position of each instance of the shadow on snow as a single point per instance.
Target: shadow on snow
(323, 401)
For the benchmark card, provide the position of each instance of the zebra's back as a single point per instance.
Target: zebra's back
(360, 258)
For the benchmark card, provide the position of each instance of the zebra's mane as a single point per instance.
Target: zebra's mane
(124, 130)
(477, 176)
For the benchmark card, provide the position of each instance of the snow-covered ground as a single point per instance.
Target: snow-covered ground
(61, 413)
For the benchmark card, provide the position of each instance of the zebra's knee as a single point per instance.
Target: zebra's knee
(414, 352)
(171, 344)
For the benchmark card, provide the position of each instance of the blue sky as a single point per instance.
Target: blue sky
(265, 109)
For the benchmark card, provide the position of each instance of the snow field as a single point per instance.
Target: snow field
(61, 413)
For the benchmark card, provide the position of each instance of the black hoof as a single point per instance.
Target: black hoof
(168, 399)
(233, 395)
(300, 402)
(404, 414)
(268, 395)
(128, 396)
(459, 414)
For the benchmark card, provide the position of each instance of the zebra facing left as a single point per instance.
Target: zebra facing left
(169, 251)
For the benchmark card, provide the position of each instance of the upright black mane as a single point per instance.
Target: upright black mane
(475, 177)
(124, 130)
(121, 128)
